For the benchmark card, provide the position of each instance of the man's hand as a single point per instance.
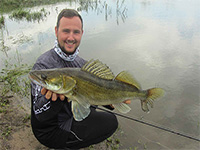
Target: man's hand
(49, 94)
(127, 101)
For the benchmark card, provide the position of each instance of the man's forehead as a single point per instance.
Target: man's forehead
(71, 19)
(71, 22)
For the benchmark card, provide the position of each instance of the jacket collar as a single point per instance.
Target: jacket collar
(63, 55)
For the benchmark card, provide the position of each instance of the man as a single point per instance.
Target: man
(51, 117)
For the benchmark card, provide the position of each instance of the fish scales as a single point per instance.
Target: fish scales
(104, 92)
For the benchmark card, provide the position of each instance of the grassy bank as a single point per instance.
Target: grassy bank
(10, 5)
(13, 78)
(21, 9)
(21, 14)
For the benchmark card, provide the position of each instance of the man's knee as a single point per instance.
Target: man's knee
(114, 122)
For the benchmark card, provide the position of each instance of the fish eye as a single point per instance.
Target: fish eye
(44, 77)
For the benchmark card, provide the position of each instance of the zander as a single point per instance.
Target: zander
(94, 84)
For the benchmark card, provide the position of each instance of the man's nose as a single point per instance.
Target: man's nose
(71, 36)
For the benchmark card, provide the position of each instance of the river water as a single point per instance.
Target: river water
(156, 41)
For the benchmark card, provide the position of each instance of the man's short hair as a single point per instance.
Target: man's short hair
(68, 13)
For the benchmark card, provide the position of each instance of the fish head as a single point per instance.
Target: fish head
(48, 79)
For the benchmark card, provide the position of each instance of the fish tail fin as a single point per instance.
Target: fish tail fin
(152, 94)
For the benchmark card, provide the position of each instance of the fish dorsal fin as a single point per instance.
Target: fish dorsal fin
(98, 69)
(126, 77)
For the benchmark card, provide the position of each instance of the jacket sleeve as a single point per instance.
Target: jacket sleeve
(109, 107)
(43, 108)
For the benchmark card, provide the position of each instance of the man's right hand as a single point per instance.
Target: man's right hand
(49, 94)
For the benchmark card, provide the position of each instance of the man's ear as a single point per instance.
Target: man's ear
(56, 31)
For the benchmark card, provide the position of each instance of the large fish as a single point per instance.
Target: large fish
(94, 84)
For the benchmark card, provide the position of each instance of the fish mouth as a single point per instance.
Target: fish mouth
(37, 80)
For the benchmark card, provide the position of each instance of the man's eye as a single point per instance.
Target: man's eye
(44, 77)
(76, 32)
(66, 31)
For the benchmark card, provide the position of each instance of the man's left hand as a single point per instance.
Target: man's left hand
(127, 101)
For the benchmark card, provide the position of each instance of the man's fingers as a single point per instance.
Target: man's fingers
(62, 97)
(112, 106)
(54, 97)
(48, 95)
(43, 91)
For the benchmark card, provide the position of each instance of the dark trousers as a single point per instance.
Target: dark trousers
(97, 127)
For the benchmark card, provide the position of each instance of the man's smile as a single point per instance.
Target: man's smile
(70, 42)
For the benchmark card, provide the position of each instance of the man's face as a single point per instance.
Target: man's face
(69, 34)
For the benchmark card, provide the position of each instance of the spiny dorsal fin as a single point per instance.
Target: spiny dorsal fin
(98, 69)
(126, 77)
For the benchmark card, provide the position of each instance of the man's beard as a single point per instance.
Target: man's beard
(65, 51)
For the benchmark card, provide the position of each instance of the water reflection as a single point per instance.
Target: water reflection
(104, 7)
(3, 47)
(157, 41)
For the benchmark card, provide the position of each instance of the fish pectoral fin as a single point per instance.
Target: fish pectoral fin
(80, 99)
(79, 112)
(122, 107)
(126, 77)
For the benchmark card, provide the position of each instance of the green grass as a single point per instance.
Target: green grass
(4, 103)
(6, 132)
(2, 21)
(10, 5)
(20, 14)
(13, 78)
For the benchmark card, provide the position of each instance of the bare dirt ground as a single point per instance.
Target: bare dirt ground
(15, 127)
